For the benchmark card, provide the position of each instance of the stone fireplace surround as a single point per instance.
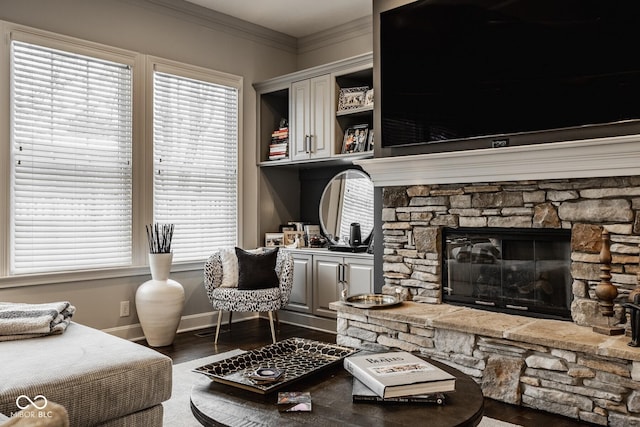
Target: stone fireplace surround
(557, 366)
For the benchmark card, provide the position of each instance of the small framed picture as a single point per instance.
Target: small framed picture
(272, 240)
(355, 139)
(287, 227)
(312, 230)
(291, 237)
(370, 141)
(368, 98)
(351, 98)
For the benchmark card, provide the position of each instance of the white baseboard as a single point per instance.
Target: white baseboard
(188, 323)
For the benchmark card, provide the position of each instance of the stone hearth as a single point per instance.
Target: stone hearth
(549, 365)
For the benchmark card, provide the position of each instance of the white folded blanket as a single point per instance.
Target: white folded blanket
(21, 321)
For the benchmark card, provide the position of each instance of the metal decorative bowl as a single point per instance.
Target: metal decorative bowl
(372, 300)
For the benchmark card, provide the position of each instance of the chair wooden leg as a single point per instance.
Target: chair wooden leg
(273, 332)
(218, 326)
(230, 315)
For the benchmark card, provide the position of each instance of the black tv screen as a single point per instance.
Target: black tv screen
(463, 69)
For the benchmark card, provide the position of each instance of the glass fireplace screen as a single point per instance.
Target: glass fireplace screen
(526, 271)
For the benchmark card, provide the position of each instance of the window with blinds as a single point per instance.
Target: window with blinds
(71, 190)
(195, 139)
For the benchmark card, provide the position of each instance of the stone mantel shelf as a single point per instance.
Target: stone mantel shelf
(517, 329)
(613, 156)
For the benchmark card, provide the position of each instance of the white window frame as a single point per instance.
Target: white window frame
(142, 154)
(197, 73)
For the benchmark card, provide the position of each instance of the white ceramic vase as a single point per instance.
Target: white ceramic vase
(159, 302)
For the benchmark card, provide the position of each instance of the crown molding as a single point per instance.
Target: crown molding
(340, 33)
(601, 157)
(363, 60)
(191, 12)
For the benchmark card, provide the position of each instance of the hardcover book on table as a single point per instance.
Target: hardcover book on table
(360, 393)
(399, 373)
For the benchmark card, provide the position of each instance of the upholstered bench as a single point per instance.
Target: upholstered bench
(100, 379)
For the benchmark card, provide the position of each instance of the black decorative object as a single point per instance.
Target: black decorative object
(296, 357)
(634, 306)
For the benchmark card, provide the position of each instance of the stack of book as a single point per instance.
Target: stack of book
(397, 377)
(279, 147)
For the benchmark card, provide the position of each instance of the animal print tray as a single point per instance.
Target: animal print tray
(297, 357)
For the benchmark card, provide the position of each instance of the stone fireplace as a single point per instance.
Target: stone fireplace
(414, 218)
(578, 188)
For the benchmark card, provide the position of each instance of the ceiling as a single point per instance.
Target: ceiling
(297, 18)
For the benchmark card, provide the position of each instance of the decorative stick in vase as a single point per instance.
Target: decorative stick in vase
(159, 237)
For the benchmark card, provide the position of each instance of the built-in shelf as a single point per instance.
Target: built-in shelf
(355, 111)
(337, 159)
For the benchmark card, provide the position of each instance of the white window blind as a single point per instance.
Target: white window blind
(71, 161)
(195, 137)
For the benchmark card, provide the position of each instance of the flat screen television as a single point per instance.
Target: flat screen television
(485, 71)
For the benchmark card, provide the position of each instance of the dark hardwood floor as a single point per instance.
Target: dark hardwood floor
(251, 334)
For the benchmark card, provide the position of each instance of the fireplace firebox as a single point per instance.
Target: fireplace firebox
(518, 271)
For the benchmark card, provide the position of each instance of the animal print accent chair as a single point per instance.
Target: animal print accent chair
(260, 300)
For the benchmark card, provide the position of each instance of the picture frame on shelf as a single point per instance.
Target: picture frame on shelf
(351, 98)
(290, 238)
(311, 231)
(370, 140)
(355, 139)
(273, 240)
(297, 225)
(368, 98)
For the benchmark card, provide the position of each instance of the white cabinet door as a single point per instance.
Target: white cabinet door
(320, 117)
(329, 270)
(302, 290)
(310, 123)
(300, 121)
(359, 275)
(326, 273)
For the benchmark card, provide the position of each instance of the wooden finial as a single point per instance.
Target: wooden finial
(606, 291)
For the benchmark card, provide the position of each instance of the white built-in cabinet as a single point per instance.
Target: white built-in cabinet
(319, 276)
(311, 115)
(307, 100)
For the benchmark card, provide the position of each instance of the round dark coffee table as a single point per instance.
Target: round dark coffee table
(215, 404)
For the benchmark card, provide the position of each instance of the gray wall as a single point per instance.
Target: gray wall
(179, 31)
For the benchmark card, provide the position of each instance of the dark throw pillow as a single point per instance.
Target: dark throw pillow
(257, 271)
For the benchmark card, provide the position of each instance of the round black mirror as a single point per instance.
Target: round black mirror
(347, 199)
